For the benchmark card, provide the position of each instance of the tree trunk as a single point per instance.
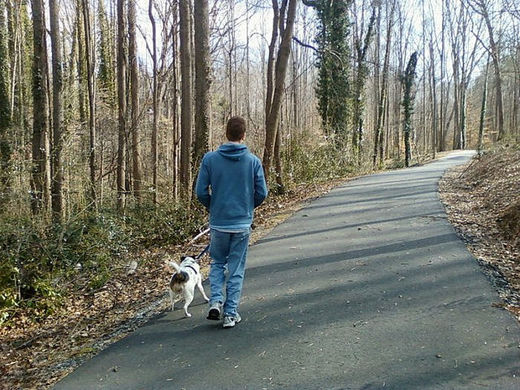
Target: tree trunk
(121, 98)
(361, 74)
(443, 105)
(456, 106)
(5, 111)
(483, 112)
(248, 71)
(498, 77)
(82, 67)
(186, 97)
(294, 92)
(280, 71)
(433, 93)
(378, 136)
(175, 110)
(462, 114)
(90, 57)
(280, 187)
(202, 80)
(134, 101)
(106, 47)
(408, 100)
(57, 113)
(155, 102)
(39, 198)
(270, 61)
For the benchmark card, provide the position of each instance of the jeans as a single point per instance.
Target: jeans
(228, 252)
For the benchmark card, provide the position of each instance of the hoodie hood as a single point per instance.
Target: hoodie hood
(233, 151)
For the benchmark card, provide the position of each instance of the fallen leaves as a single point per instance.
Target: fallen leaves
(482, 200)
(36, 355)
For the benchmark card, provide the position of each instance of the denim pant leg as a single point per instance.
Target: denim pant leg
(236, 267)
(218, 250)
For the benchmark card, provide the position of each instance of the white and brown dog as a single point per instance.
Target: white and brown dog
(183, 282)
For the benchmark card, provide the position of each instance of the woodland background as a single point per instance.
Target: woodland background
(107, 106)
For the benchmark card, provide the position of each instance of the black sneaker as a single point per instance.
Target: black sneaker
(214, 311)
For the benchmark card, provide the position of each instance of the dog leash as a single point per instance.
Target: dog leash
(197, 258)
(198, 236)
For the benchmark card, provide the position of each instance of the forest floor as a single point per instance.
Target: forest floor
(481, 201)
(35, 355)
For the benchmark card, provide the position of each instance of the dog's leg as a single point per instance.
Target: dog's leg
(201, 289)
(171, 298)
(188, 298)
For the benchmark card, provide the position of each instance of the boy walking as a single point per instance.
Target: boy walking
(231, 185)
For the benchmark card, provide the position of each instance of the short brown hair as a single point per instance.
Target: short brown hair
(236, 129)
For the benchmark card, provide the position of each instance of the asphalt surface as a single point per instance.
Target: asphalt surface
(366, 288)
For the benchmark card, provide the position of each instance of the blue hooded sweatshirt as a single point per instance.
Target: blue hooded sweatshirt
(231, 184)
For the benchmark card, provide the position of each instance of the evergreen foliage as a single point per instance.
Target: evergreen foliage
(408, 102)
(106, 73)
(361, 47)
(333, 61)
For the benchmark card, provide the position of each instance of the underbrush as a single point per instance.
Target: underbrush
(307, 161)
(41, 263)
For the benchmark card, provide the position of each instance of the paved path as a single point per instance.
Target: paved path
(366, 288)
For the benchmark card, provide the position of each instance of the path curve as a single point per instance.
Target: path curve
(366, 288)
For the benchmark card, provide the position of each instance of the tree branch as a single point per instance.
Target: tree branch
(310, 3)
(305, 44)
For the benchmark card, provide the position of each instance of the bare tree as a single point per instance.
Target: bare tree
(483, 111)
(57, 113)
(134, 102)
(202, 80)
(175, 102)
(279, 80)
(361, 49)
(482, 7)
(121, 98)
(379, 135)
(408, 102)
(443, 87)
(40, 175)
(433, 99)
(155, 101)
(271, 60)
(91, 64)
(186, 108)
(6, 109)
(464, 60)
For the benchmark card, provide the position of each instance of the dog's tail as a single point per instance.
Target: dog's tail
(174, 265)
